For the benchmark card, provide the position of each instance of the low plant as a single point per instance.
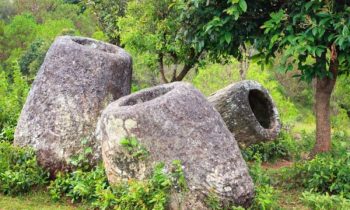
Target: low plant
(325, 202)
(324, 174)
(19, 170)
(81, 161)
(212, 201)
(284, 147)
(265, 194)
(265, 198)
(134, 148)
(259, 176)
(79, 185)
(92, 187)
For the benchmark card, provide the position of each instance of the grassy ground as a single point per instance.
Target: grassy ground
(38, 200)
(288, 199)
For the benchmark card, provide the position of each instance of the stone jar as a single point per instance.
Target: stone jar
(175, 122)
(248, 111)
(78, 79)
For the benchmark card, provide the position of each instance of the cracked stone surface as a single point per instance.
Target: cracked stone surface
(175, 122)
(248, 111)
(78, 79)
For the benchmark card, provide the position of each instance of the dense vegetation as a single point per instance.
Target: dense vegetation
(205, 43)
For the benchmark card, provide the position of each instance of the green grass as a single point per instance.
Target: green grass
(36, 200)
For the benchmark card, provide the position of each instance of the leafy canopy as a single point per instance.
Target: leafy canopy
(305, 30)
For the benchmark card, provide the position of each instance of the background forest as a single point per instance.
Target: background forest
(150, 31)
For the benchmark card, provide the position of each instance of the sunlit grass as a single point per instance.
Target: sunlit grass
(35, 200)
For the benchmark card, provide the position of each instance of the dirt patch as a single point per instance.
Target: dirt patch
(277, 165)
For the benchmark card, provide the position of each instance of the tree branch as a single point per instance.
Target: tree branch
(161, 68)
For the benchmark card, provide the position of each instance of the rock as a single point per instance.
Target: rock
(174, 122)
(248, 111)
(78, 79)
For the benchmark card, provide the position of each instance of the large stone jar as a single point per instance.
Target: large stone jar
(248, 111)
(175, 122)
(78, 79)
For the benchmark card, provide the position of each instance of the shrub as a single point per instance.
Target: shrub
(13, 93)
(265, 198)
(78, 185)
(323, 174)
(265, 194)
(19, 170)
(321, 202)
(283, 148)
(257, 172)
(340, 143)
(92, 187)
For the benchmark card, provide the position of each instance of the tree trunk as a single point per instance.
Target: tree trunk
(161, 69)
(324, 89)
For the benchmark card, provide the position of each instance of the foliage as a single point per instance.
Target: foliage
(13, 92)
(81, 161)
(321, 202)
(33, 57)
(323, 174)
(78, 185)
(341, 95)
(92, 187)
(19, 171)
(213, 202)
(266, 195)
(52, 28)
(134, 148)
(151, 27)
(19, 33)
(108, 13)
(265, 198)
(283, 148)
(213, 77)
(307, 33)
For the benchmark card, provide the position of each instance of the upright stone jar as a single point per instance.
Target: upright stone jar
(174, 122)
(248, 111)
(78, 79)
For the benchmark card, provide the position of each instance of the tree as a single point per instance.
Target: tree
(6, 10)
(152, 26)
(313, 36)
(108, 13)
(18, 34)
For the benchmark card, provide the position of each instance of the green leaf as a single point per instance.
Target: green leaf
(345, 31)
(243, 5)
(319, 52)
(228, 37)
(308, 5)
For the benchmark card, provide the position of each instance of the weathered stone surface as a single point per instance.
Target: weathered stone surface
(248, 111)
(77, 80)
(175, 122)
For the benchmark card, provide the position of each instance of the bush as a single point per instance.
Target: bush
(265, 194)
(322, 202)
(19, 171)
(13, 93)
(265, 198)
(340, 143)
(284, 147)
(324, 174)
(92, 187)
(78, 185)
